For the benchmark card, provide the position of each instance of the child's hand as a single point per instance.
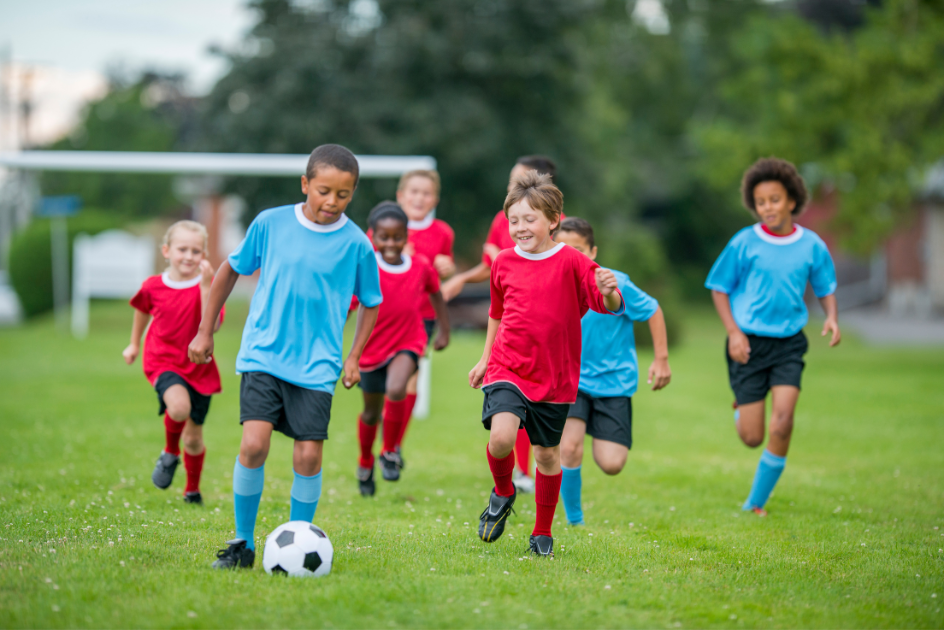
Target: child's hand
(477, 375)
(451, 288)
(442, 340)
(206, 273)
(832, 326)
(201, 348)
(606, 281)
(352, 373)
(444, 265)
(130, 353)
(659, 374)
(739, 348)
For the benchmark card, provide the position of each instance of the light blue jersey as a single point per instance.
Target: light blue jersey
(608, 363)
(765, 277)
(308, 274)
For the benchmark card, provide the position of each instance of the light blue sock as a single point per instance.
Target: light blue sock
(571, 485)
(247, 491)
(768, 472)
(305, 494)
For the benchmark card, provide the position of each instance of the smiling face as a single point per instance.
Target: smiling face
(774, 206)
(530, 228)
(184, 251)
(418, 197)
(328, 194)
(390, 238)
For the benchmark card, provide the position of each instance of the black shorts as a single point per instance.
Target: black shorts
(543, 421)
(773, 361)
(298, 412)
(430, 326)
(375, 381)
(609, 419)
(199, 403)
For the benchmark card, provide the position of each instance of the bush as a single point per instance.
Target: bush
(31, 258)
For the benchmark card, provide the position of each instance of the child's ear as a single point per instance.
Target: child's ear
(165, 250)
(304, 185)
(593, 253)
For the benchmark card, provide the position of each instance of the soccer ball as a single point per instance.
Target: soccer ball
(298, 549)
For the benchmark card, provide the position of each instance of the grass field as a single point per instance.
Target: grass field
(854, 537)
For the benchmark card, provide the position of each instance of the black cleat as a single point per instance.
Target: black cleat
(236, 556)
(365, 481)
(399, 453)
(163, 474)
(492, 520)
(542, 546)
(390, 466)
(193, 497)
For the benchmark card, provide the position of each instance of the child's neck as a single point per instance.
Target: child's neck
(786, 229)
(395, 260)
(545, 245)
(176, 276)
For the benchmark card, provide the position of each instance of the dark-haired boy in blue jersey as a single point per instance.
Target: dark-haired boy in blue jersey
(312, 260)
(757, 285)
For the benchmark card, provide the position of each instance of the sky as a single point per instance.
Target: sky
(70, 44)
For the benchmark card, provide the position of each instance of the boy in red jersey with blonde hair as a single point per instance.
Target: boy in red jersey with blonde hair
(530, 367)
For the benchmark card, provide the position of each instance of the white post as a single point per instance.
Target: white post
(423, 387)
(59, 240)
(80, 296)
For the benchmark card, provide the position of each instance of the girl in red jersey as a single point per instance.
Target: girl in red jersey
(530, 367)
(391, 356)
(175, 301)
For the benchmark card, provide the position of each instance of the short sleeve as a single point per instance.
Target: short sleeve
(497, 308)
(590, 294)
(367, 279)
(725, 274)
(823, 271)
(142, 299)
(640, 306)
(247, 257)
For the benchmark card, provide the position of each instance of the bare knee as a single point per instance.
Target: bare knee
(396, 393)
(612, 466)
(307, 457)
(177, 409)
(571, 452)
(193, 439)
(781, 425)
(546, 457)
(752, 439)
(253, 450)
(499, 445)
(370, 417)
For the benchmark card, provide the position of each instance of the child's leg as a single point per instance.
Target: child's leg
(194, 454)
(249, 477)
(750, 423)
(306, 489)
(177, 401)
(501, 442)
(609, 456)
(774, 458)
(571, 457)
(397, 409)
(367, 424)
(546, 487)
(523, 451)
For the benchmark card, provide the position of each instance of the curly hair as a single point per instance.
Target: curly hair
(774, 169)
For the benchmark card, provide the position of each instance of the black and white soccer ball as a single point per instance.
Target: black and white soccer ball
(298, 549)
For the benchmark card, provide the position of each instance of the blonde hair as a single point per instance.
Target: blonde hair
(431, 175)
(193, 226)
(542, 195)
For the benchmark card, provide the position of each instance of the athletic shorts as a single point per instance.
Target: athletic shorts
(430, 326)
(297, 412)
(199, 403)
(375, 381)
(609, 419)
(773, 361)
(543, 421)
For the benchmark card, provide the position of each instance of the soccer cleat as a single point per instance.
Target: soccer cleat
(193, 497)
(236, 556)
(758, 511)
(163, 474)
(492, 520)
(365, 481)
(390, 466)
(399, 453)
(523, 482)
(542, 546)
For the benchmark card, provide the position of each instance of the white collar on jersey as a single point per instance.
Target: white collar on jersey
(317, 227)
(179, 284)
(401, 268)
(422, 225)
(540, 256)
(779, 240)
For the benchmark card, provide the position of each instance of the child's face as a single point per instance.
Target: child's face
(184, 252)
(577, 242)
(390, 239)
(418, 197)
(773, 205)
(516, 172)
(328, 192)
(529, 228)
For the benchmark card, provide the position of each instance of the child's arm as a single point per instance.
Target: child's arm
(141, 320)
(453, 287)
(206, 281)
(831, 325)
(366, 318)
(607, 285)
(201, 348)
(478, 372)
(659, 372)
(739, 348)
(442, 316)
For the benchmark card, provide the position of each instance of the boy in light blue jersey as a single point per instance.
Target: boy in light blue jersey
(312, 260)
(757, 285)
(609, 374)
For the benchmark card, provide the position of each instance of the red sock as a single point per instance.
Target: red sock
(410, 401)
(172, 431)
(523, 451)
(546, 494)
(366, 434)
(501, 473)
(394, 419)
(193, 464)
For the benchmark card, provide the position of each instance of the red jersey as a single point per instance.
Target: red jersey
(540, 299)
(498, 235)
(176, 308)
(405, 288)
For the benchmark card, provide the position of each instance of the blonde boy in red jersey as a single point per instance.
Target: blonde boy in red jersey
(530, 368)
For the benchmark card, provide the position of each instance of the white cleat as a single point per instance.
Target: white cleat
(523, 482)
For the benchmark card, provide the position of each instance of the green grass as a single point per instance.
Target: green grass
(853, 539)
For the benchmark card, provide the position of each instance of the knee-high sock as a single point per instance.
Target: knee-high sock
(410, 403)
(501, 473)
(193, 464)
(546, 492)
(366, 434)
(394, 415)
(247, 491)
(570, 492)
(305, 494)
(768, 472)
(523, 451)
(172, 432)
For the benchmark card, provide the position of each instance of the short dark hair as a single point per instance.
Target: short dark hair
(386, 210)
(541, 163)
(580, 227)
(333, 155)
(773, 169)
